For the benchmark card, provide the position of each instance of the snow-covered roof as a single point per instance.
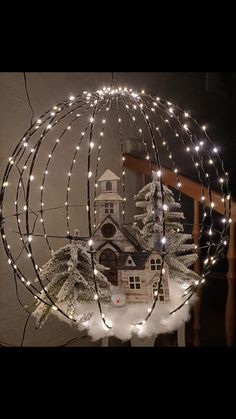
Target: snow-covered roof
(109, 196)
(108, 175)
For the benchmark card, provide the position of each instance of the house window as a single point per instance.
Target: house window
(108, 186)
(134, 283)
(108, 230)
(161, 292)
(155, 264)
(109, 208)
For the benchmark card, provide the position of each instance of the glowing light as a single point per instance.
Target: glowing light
(90, 242)
(95, 297)
(163, 240)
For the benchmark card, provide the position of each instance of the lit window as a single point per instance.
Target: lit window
(134, 283)
(155, 264)
(109, 208)
(161, 291)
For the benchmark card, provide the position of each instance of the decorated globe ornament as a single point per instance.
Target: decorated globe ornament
(96, 134)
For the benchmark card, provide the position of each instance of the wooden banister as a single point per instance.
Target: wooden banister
(189, 187)
(194, 190)
(197, 269)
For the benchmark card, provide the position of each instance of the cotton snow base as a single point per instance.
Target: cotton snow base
(123, 319)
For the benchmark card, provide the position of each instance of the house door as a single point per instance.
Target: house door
(108, 258)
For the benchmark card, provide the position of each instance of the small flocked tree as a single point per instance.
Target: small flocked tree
(69, 279)
(149, 229)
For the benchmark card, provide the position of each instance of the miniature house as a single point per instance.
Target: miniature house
(132, 269)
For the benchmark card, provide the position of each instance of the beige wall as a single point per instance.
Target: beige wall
(45, 89)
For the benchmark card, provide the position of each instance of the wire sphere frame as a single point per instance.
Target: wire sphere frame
(159, 119)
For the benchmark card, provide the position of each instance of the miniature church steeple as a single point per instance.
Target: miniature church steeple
(108, 202)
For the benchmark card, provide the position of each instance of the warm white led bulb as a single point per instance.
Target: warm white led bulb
(163, 240)
(90, 242)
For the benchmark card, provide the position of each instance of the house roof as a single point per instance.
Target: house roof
(108, 175)
(139, 259)
(111, 243)
(108, 196)
(123, 230)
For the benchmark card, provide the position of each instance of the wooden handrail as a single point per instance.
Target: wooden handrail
(189, 187)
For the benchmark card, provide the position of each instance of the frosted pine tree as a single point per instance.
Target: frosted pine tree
(69, 279)
(149, 229)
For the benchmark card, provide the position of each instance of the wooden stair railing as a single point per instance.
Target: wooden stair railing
(194, 190)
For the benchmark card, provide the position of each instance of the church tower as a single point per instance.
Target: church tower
(108, 202)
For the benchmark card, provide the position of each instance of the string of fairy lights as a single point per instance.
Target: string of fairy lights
(156, 121)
